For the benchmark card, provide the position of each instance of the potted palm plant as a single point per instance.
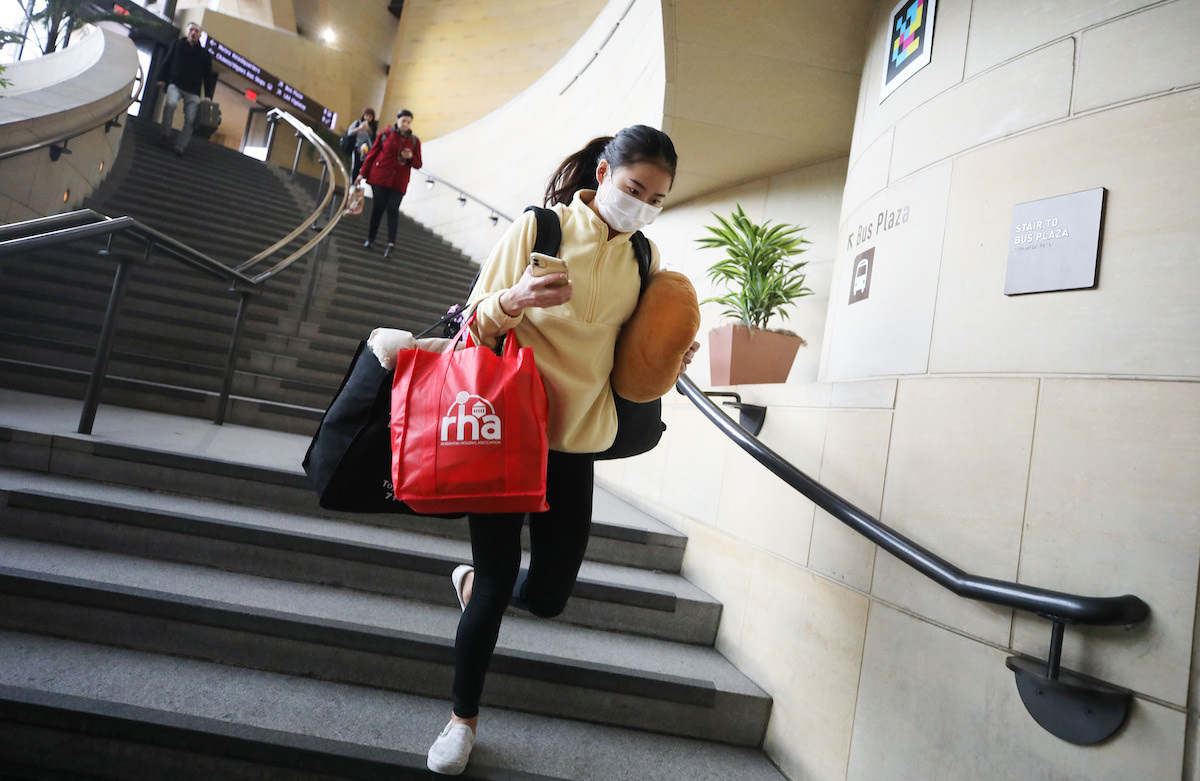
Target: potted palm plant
(762, 280)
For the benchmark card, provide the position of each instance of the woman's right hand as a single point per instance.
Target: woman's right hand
(550, 290)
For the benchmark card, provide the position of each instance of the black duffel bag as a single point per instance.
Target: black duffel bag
(349, 462)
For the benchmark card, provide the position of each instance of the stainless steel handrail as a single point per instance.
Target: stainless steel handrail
(60, 138)
(332, 163)
(600, 48)
(86, 223)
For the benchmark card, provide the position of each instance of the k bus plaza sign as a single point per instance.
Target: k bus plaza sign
(1054, 243)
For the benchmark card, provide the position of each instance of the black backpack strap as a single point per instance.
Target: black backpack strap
(549, 231)
(549, 240)
(641, 251)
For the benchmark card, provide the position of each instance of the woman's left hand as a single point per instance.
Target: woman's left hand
(687, 357)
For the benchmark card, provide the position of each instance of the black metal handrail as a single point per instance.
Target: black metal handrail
(86, 223)
(1054, 605)
(1070, 706)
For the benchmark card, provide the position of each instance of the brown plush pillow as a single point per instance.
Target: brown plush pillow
(652, 343)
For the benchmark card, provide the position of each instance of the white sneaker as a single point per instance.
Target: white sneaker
(458, 578)
(449, 753)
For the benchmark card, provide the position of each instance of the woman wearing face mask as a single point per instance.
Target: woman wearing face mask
(602, 194)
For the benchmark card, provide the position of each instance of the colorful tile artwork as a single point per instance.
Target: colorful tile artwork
(911, 34)
(907, 33)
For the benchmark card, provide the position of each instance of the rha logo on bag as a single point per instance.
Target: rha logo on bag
(479, 426)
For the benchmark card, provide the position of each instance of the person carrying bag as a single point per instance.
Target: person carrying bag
(570, 318)
(354, 204)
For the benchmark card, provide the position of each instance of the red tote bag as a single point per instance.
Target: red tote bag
(469, 430)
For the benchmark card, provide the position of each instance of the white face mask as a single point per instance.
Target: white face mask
(623, 212)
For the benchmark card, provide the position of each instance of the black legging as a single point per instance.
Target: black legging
(385, 198)
(558, 539)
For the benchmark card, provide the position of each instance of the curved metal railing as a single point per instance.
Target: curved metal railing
(85, 223)
(1054, 605)
(333, 164)
(464, 196)
(1073, 707)
(61, 138)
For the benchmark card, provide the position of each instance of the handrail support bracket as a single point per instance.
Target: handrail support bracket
(1068, 705)
(58, 150)
(750, 416)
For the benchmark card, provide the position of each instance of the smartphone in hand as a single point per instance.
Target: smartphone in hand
(546, 264)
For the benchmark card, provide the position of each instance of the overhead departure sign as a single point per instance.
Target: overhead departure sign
(268, 82)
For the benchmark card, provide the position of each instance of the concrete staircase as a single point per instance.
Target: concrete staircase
(176, 324)
(172, 613)
(173, 603)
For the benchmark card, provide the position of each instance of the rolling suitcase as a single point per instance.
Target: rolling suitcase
(208, 118)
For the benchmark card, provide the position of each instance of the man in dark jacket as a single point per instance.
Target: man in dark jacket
(185, 72)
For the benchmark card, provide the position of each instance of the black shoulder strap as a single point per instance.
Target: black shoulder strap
(549, 240)
(641, 251)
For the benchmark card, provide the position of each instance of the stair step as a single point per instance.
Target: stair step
(92, 709)
(71, 262)
(35, 302)
(160, 397)
(198, 296)
(173, 334)
(315, 550)
(621, 534)
(372, 640)
(305, 391)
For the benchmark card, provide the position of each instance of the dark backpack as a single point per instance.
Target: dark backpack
(348, 142)
(639, 424)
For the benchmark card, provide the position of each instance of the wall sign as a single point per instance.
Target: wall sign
(910, 40)
(268, 82)
(1054, 243)
(860, 282)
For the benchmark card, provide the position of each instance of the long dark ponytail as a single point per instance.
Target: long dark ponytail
(636, 144)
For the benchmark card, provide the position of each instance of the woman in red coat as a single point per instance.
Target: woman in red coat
(386, 168)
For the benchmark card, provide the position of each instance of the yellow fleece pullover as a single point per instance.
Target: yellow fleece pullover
(573, 343)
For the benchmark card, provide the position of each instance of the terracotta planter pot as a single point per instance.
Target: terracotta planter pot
(739, 355)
